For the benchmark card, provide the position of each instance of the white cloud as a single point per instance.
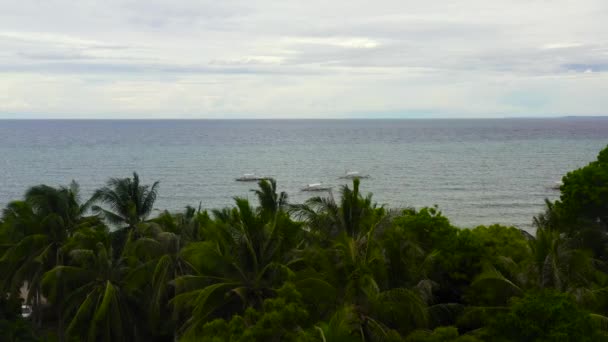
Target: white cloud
(302, 59)
(344, 42)
(48, 38)
(561, 46)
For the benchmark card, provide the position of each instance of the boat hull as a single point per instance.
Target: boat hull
(353, 177)
(325, 188)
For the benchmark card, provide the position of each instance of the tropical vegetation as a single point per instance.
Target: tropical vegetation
(335, 268)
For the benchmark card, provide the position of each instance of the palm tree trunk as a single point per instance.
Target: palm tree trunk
(60, 337)
(58, 262)
(173, 289)
(37, 310)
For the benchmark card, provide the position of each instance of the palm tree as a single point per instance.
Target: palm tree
(243, 259)
(129, 202)
(18, 221)
(407, 262)
(270, 201)
(558, 263)
(353, 215)
(589, 235)
(44, 222)
(349, 233)
(549, 219)
(187, 224)
(159, 249)
(555, 263)
(399, 308)
(349, 229)
(35, 251)
(95, 291)
(361, 262)
(63, 202)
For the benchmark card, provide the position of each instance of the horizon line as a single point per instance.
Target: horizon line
(299, 118)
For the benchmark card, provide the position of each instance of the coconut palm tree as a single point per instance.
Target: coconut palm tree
(18, 221)
(159, 251)
(36, 250)
(361, 263)
(128, 202)
(393, 312)
(558, 263)
(350, 229)
(353, 215)
(44, 222)
(270, 201)
(96, 293)
(243, 259)
(188, 224)
(63, 202)
(550, 218)
(555, 263)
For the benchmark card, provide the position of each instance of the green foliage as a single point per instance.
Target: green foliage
(582, 211)
(424, 244)
(584, 193)
(270, 201)
(129, 202)
(428, 227)
(353, 215)
(545, 316)
(246, 257)
(95, 293)
(10, 307)
(17, 330)
(441, 334)
(280, 319)
(433, 232)
(12, 327)
(498, 241)
(331, 269)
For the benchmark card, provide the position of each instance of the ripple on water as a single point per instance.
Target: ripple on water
(476, 171)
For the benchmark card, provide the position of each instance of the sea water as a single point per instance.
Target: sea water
(478, 171)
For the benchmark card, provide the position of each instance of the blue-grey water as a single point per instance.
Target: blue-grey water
(476, 171)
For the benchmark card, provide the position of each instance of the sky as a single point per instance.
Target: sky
(303, 59)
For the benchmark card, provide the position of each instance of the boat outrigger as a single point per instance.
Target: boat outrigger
(353, 175)
(250, 177)
(316, 187)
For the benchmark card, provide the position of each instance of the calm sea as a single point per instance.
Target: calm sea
(476, 171)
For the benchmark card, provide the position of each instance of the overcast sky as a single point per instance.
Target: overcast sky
(297, 59)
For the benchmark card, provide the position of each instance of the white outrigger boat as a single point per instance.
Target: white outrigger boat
(353, 175)
(250, 177)
(316, 187)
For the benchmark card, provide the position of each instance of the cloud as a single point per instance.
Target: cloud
(343, 42)
(48, 38)
(587, 68)
(307, 59)
(553, 46)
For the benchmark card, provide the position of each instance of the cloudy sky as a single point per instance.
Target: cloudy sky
(296, 59)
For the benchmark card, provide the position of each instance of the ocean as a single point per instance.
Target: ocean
(478, 171)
